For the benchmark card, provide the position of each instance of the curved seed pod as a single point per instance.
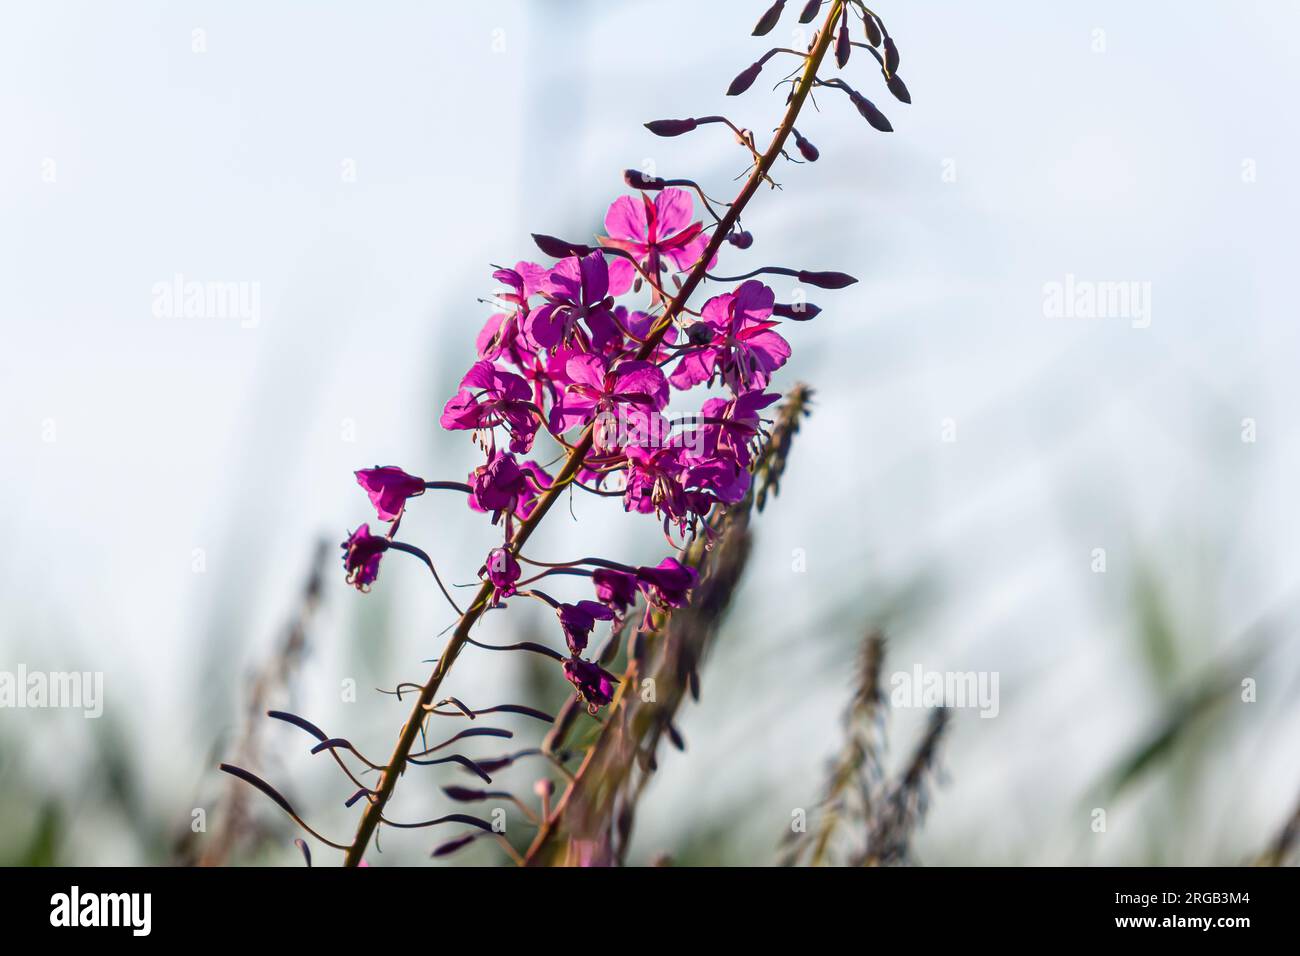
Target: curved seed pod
(670, 127)
(810, 11)
(768, 20)
(301, 844)
(297, 721)
(745, 79)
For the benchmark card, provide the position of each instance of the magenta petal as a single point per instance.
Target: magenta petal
(674, 207)
(693, 369)
(621, 275)
(626, 219)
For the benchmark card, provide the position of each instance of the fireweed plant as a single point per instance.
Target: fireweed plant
(589, 349)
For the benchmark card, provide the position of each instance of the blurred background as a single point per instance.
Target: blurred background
(969, 460)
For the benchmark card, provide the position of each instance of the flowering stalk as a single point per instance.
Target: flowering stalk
(562, 356)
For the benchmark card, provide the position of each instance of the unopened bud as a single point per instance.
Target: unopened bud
(891, 55)
(810, 10)
(842, 46)
(826, 280)
(869, 112)
(559, 248)
(745, 80)
(898, 88)
(806, 149)
(670, 127)
(873, 31)
(796, 312)
(698, 333)
(639, 180)
(768, 20)
(740, 239)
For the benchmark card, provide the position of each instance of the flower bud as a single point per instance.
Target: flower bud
(809, 11)
(891, 55)
(873, 31)
(745, 80)
(796, 312)
(898, 88)
(639, 180)
(670, 127)
(870, 113)
(740, 239)
(826, 280)
(842, 45)
(806, 149)
(699, 333)
(559, 248)
(768, 20)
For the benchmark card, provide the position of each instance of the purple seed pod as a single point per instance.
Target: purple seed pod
(796, 312)
(873, 31)
(768, 20)
(898, 88)
(740, 239)
(745, 79)
(670, 127)
(842, 44)
(639, 180)
(826, 280)
(870, 113)
(810, 11)
(806, 149)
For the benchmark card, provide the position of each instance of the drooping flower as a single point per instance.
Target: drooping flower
(503, 570)
(731, 428)
(577, 308)
(361, 553)
(621, 396)
(658, 232)
(668, 584)
(615, 589)
(500, 334)
(389, 487)
(653, 481)
(498, 484)
(489, 397)
(595, 685)
(577, 620)
(742, 350)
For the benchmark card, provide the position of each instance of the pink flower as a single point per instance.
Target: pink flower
(489, 397)
(743, 350)
(622, 395)
(577, 310)
(389, 487)
(361, 553)
(500, 335)
(656, 232)
(732, 427)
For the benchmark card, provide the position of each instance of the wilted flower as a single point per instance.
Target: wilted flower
(389, 487)
(361, 553)
(577, 620)
(595, 684)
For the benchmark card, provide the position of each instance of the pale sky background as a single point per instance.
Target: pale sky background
(1109, 141)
